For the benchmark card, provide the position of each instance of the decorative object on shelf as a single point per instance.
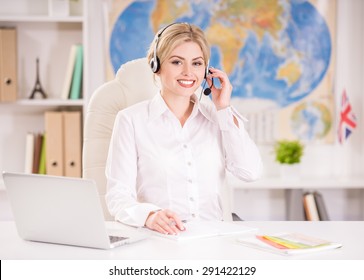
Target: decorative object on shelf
(59, 8)
(38, 86)
(289, 154)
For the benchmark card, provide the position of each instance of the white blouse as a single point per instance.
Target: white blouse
(155, 163)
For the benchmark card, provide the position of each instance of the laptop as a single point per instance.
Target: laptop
(62, 210)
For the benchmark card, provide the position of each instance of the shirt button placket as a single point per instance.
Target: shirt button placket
(191, 188)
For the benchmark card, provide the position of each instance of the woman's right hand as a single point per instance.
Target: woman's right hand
(164, 221)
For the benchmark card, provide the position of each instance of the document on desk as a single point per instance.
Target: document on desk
(288, 244)
(203, 229)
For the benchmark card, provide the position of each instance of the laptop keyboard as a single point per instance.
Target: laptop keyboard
(114, 239)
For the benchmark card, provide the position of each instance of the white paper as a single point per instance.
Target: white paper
(203, 229)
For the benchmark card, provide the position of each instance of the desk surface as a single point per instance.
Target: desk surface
(349, 233)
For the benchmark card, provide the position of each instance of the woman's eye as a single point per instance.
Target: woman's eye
(198, 63)
(176, 62)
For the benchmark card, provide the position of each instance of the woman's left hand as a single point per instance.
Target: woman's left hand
(220, 96)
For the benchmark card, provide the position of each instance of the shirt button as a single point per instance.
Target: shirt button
(190, 181)
(185, 146)
(192, 199)
(193, 215)
(189, 163)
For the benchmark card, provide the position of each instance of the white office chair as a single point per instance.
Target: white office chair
(133, 83)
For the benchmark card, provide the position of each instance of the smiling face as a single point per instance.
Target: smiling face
(183, 71)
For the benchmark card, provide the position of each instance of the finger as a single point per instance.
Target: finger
(179, 224)
(160, 229)
(166, 221)
(176, 221)
(169, 227)
(160, 224)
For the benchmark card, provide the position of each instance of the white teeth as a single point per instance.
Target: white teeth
(186, 82)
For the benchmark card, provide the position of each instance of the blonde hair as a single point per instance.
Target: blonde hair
(168, 38)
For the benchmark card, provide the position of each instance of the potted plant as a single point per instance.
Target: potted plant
(288, 154)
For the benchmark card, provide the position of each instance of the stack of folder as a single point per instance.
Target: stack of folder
(63, 143)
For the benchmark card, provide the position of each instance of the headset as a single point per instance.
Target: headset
(155, 62)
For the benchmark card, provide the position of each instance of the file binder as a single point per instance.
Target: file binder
(54, 143)
(8, 65)
(72, 143)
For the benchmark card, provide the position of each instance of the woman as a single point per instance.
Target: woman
(168, 156)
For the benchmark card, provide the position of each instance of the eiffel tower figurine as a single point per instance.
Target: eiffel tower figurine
(38, 86)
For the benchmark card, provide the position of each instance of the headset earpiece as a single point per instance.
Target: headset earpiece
(207, 71)
(155, 64)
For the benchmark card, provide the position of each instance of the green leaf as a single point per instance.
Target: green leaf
(288, 152)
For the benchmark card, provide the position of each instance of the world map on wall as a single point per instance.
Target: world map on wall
(272, 50)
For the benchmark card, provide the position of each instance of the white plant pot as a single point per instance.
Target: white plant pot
(290, 171)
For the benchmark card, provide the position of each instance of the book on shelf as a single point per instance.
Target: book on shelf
(38, 139)
(29, 152)
(309, 205)
(66, 89)
(8, 65)
(321, 207)
(288, 244)
(42, 158)
(294, 208)
(76, 86)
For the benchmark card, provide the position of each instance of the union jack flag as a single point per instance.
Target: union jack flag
(347, 119)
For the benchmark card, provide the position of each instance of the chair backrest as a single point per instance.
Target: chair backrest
(134, 82)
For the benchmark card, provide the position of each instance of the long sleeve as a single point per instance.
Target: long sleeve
(243, 159)
(121, 173)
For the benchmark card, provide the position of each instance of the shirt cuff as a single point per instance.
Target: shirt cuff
(136, 215)
(226, 121)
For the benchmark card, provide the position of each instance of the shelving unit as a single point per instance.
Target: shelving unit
(49, 39)
(293, 189)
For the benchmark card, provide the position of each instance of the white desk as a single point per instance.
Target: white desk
(350, 234)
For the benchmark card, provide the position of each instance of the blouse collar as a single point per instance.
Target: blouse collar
(158, 107)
